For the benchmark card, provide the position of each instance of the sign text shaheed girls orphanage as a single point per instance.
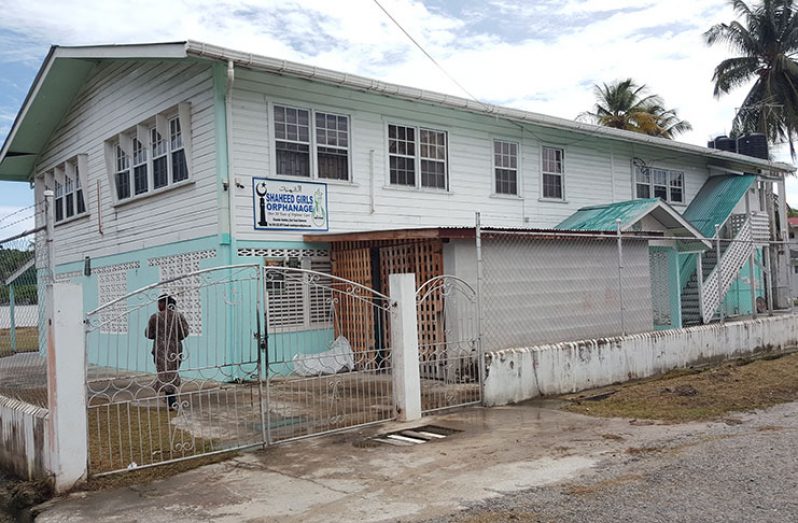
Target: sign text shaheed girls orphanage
(280, 204)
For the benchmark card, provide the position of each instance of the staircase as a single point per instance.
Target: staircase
(701, 307)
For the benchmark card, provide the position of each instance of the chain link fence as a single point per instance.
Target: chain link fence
(24, 274)
(540, 287)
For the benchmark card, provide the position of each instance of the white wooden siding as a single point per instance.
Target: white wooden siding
(596, 170)
(117, 96)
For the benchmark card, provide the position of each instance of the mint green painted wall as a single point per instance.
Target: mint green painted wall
(738, 299)
(230, 315)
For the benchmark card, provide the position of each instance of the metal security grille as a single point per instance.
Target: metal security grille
(449, 361)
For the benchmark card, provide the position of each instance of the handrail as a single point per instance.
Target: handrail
(731, 261)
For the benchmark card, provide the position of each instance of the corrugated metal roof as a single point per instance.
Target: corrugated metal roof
(716, 201)
(603, 217)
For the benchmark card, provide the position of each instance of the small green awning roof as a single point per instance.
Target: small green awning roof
(603, 218)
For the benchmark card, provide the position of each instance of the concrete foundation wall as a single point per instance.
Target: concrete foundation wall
(23, 433)
(515, 375)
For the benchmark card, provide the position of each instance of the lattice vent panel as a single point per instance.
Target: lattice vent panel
(660, 290)
(185, 290)
(111, 285)
(285, 253)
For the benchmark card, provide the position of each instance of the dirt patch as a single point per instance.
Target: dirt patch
(27, 340)
(684, 396)
(18, 496)
(147, 475)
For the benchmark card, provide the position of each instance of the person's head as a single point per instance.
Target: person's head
(166, 302)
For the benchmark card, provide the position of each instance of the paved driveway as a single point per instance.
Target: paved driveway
(513, 462)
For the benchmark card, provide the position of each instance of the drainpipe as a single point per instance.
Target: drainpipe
(231, 179)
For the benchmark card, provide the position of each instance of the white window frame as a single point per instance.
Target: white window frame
(543, 172)
(495, 168)
(143, 133)
(417, 158)
(650, 183)
(68, 178)
(313, 145)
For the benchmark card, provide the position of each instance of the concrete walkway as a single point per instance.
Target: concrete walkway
(342, 478)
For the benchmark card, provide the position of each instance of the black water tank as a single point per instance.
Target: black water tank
(755, 145)
(724, 143)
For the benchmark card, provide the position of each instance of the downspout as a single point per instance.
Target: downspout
(231, 179)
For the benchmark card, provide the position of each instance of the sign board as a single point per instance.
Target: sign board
(285, 205)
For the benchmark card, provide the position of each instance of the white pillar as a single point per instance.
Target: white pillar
(404, 347)
(66, 387)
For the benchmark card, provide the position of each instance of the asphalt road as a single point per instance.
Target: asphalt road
(744, 470)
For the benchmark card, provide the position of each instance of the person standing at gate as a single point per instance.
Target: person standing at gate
(168, 328)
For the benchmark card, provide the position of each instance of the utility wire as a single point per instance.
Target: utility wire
(432, 59)
(524, 126)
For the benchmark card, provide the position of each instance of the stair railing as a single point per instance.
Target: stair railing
(714, 288)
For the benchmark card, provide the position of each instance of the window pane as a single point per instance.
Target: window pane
(643, 190)
(333, 163)
(677, 195)
(160, 171)
(506, 181)
(179, 166)
(70, 205)
(433, 174)
(81, 202)
(59, 209)
(140, 179)
(293, 159)
(123, 185)
(332, 138)
(552, 160)
(661, 191)
(552, 186)
(176, 134)
(403, 171)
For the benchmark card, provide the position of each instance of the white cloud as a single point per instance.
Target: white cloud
(557, 51)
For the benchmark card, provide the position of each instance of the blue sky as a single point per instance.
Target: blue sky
(539, 55)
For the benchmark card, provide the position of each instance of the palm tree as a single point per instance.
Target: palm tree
(766, 41)
(623, 104)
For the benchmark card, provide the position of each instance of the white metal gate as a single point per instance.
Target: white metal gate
(242, 356)
(191, 394)
(448, 344)
(329, 366)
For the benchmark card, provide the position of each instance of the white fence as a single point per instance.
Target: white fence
(515, 375)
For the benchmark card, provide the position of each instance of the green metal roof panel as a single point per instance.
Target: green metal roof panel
(716, 200)
(603, 217)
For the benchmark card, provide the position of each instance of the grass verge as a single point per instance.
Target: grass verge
(684, 396)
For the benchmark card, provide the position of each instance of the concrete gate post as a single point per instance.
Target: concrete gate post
(404, 347)
(66, 387)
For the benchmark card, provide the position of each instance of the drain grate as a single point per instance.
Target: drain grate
(414, 436)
